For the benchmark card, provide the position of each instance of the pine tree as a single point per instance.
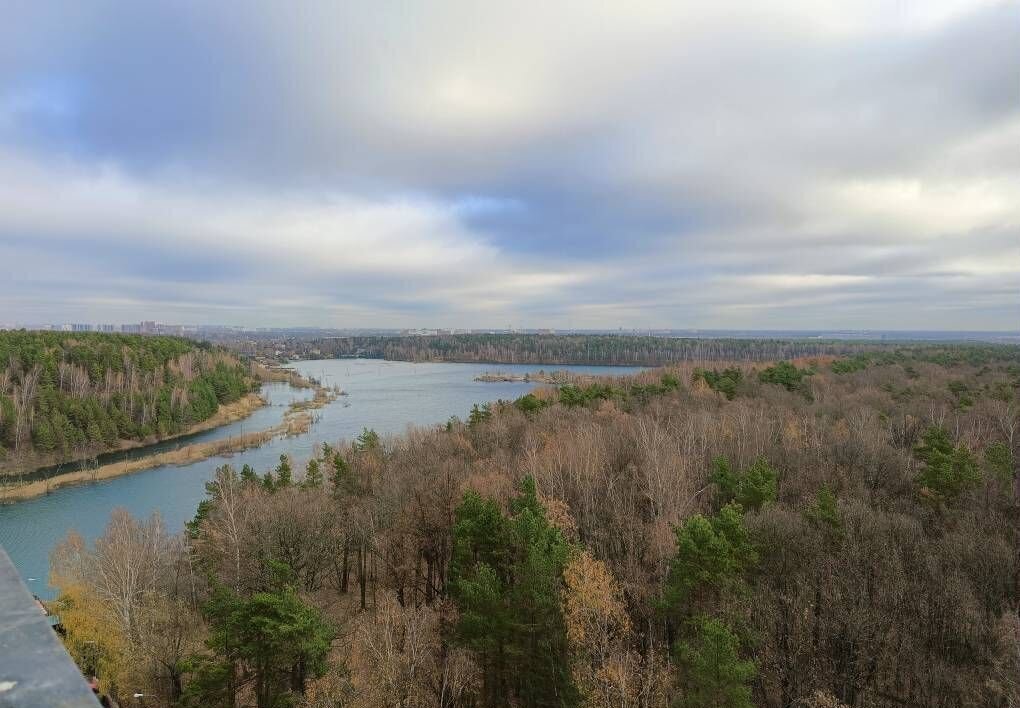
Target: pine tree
(368, 440)
(43, 436)
(284, 475)
(948, 471)
(713, 674)
(999, 461)
(313, 475)
(506, 577)
(824, 513)
(711, 557)
(248, 475)
(341, 479)
(751, 488)
(273, 639)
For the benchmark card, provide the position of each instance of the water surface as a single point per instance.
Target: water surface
(384, 395)
(278, 397)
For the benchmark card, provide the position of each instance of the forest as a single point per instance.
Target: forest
(819, 532)
(546, 349)
(69, 396)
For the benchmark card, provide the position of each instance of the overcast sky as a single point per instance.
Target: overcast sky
(799, 164)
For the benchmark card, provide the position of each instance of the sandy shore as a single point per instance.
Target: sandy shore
(296, 420)
(230, 413)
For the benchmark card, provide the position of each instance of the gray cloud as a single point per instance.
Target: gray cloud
(780, 165)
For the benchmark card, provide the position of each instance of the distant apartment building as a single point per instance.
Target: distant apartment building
(106, 328)
(131, 329)
(148, 327)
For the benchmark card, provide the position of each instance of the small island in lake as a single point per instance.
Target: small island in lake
(556, 378)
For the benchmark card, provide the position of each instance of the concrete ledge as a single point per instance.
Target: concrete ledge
(35, 670)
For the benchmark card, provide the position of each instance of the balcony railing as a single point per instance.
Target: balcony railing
(35, 670)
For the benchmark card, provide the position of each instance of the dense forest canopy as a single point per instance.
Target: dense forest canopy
(818, 533)
(69, 395)
(622, 350)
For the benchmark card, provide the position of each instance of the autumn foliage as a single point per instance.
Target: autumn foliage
(849, 539)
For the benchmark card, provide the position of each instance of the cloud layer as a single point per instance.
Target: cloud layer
(780, 165)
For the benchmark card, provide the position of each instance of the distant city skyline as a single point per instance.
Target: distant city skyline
(787, 164)
(152, 327)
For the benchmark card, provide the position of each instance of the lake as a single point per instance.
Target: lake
(386, 396)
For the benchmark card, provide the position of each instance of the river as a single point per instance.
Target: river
(386, 396)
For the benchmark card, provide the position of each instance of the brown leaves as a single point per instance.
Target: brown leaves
(558, 513)
(596, 618)
(127, 605)
(606, 669)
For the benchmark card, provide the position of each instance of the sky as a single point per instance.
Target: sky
(790, 164)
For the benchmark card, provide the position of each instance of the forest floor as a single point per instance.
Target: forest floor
(296, 420)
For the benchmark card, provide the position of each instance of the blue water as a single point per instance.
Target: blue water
(387, 396)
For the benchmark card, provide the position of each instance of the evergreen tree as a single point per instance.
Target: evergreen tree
(341, 479)
(752, 488)
(712, 555)
(271, 641)
(708, 571)
(94, 432)
(712, 673)
(999, 461)
(284, 474)
(248, 475)
(824, 513)
(223, 475)
(368, 440)
(268, 483)
(530, 403)
(948, 471)
(724, 382)
(506, 577)
(313, 475)
(479, 414)
(788, 376)
(43, 436)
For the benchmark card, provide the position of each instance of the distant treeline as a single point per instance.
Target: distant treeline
(70, 395)
(580, 349)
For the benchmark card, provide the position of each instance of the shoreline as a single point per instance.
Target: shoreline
(296, 420)
(226, 413)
